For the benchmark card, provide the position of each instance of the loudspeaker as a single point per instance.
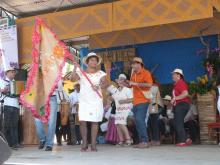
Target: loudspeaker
(21, 75)
(5, 151)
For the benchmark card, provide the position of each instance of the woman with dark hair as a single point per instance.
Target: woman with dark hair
(181, 103)
(90, 103)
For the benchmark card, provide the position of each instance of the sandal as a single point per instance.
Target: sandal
(119, 144)
(93, 149)
(128, 143)
(189, 142)
(84, 149)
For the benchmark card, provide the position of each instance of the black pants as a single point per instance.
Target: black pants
(193, 130)
(11, 117)
(162, 127)
(77, 130)
(154, 127)
(180, 112)
(60, 130)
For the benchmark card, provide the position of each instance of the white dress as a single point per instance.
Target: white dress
(90, 104)
(122, 110)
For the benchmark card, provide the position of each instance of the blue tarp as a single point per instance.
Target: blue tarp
(181, 53)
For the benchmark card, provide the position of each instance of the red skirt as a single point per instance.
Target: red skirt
(112, 135)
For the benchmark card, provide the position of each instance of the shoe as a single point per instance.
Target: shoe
(14, 148)
(142, 145)
(128, 143)
(78, 143)
(119, 144)
(41, 146)
(189, 142)
(69, 143)
(59, 144)
(18, 146)
(155, 143)
(48, 148)
(181, 145)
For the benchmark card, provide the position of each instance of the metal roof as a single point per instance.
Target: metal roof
(23, 8)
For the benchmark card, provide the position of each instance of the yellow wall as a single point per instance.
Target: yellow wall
(156, 33)
(120, 15)
(216, 4)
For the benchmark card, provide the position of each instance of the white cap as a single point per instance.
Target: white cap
(180, 71)
(9, 69)
(122, 76)
(167, 97)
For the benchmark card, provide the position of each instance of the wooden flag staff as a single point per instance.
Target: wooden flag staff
(84, 74)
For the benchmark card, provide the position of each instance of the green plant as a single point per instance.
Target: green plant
(202, 85)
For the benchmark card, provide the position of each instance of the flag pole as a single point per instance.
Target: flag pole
(84, 74)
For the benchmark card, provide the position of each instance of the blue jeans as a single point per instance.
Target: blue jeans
(140, 112)
(49, 139)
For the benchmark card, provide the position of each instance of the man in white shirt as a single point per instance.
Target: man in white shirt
(74, 126)
(61, 130)
(10, 110)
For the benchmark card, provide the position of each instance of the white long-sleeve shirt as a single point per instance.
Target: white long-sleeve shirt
(8, 101)
(74, 99)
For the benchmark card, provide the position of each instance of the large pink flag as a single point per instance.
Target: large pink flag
(49, 55)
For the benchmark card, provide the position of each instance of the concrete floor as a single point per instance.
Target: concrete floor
(112, 155)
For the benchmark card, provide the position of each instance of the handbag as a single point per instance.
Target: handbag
(147, 94)
(153, 108)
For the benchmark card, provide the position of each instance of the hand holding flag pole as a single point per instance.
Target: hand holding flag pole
(70, 57)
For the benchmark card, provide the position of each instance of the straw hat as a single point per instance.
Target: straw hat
(180, 71)
(167, 97)
(92, 54)
(138, 59)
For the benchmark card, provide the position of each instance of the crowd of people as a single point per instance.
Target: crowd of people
(134, 113)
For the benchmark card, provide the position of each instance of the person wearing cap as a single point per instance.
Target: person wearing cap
(11, 109)
(141, 82)
(181, 103)
(90, 97)
(74, 104)
(123, 100)
(61, 130)
(166, 118)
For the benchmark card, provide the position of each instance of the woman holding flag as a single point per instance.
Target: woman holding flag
(92, 80)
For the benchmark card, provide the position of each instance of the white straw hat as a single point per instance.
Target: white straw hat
(167, 97)
(180, 71)
(92, 54)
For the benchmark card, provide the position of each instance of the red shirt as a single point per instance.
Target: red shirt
(178, 88)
